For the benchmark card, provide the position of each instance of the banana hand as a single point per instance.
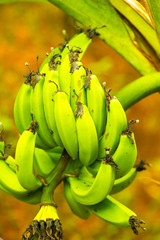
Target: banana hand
(24, 157)
(89, 190)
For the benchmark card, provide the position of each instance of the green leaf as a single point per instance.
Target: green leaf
(96, 13)
(154, 6)
(12, 1)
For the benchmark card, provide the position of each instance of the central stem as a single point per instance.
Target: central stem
(54, 178)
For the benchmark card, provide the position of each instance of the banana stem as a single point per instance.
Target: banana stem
(55, 178)
(138, 89)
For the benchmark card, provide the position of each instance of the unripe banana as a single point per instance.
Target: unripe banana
(49, 91)
(31, 197)
(112, 211)
(72, 52)
(89, 190)
(116, 213)
(66, 124)
(22, 111)
(77, 208)
(116, 123)
(96, 103)
(39, 115)
(123, 182)
(87, 135)
(9, 181)
(24, 157)
(77, 83)
(125, 155)
(80, 41)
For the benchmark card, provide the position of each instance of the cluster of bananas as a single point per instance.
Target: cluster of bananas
(71, 129)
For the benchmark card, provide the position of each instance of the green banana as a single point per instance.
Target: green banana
(124, 157)
(96, 102)
(21, 194)
(38, 113)
(22, 107)
(116, 123)
(72, 52)
(43, 164)
(116, 213)
(80, 41)
(22, 111)
(31, 197)
(77, 208)
(87, 135)
(24, 157)
(77, 82)
(123, 182)
(125, 154)
(66, 124)
(9, 181)
(89, 190)
(49, 91)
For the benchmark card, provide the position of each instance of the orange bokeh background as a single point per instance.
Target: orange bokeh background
(28, 30)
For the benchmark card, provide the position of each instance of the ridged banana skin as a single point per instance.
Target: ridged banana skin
(96, 104)
(125, 155)
(49, 91)
(39, 115)
(77, 83)
(77, 208)
(65, 76)
(43, 164)
(121, 183)
(22, 112)
(93, 192)
(112, 211)
(24, 157)
(116, 123)
(87, 138)
(66, 125)
(10, 182)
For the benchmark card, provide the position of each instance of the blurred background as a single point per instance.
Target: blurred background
(31, 29)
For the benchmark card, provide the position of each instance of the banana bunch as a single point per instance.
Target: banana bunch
(72, 130)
